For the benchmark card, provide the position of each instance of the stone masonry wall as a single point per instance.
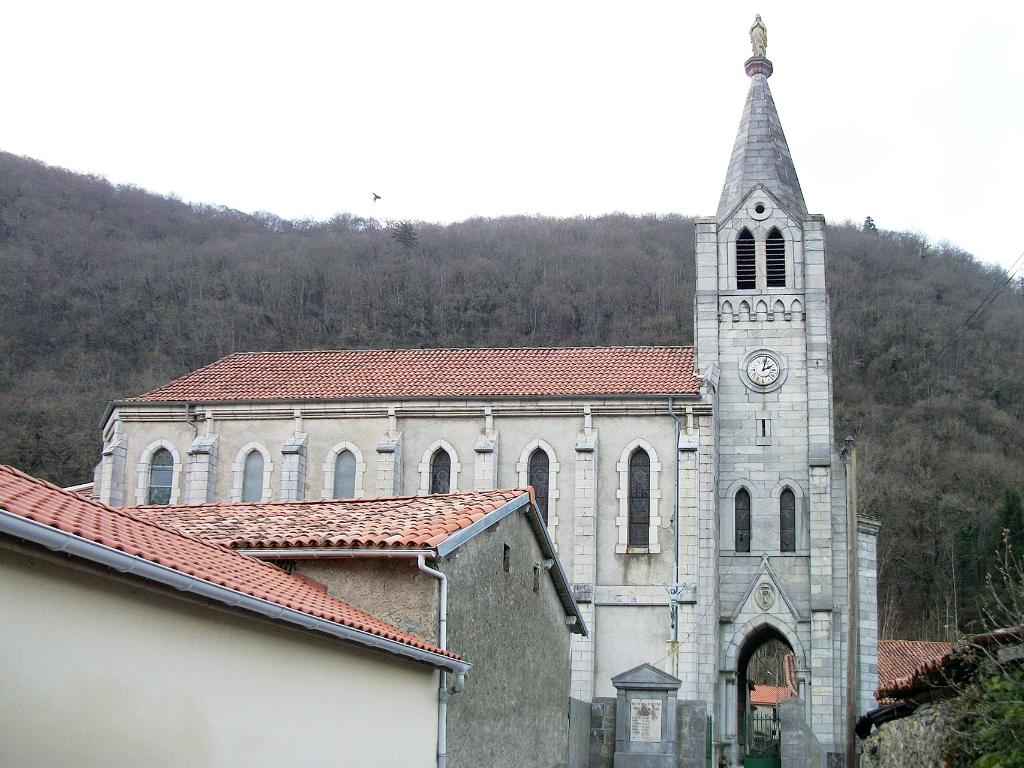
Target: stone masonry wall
(691, 731)
(916, 741)
(514, 710)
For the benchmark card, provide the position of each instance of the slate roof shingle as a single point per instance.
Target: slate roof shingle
(39, 501)
(407, 522)
(374, 374)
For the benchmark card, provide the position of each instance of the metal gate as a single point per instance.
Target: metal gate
(761, 733)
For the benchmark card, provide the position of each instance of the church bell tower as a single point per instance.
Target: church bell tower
(763, 341)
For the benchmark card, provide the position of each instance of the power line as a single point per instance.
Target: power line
(1004, 279)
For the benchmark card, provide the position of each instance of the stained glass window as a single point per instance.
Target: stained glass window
(539, 478)
(252, 477)
(161, 475)
(742, 520)
(787, 521)
(441, 472)
(345, 475)
(639, 499)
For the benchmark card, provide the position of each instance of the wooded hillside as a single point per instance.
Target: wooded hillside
(109, 291)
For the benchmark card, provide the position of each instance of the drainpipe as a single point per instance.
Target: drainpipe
(442, 643)
(190, 419)
(674, 594)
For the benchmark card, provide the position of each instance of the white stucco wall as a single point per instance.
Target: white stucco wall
(98, 672)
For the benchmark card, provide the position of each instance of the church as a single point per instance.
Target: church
(696, 495)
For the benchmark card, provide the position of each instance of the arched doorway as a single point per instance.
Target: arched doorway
(765, 677)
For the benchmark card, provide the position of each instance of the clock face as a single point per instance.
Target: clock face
(763, 370)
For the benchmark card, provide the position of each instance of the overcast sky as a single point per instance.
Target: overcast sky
(912, 113)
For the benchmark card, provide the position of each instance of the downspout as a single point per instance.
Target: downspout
(442, 643)
(190, 419)
(674, 592)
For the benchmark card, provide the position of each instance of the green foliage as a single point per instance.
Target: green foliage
(987, 727)
(108, 291)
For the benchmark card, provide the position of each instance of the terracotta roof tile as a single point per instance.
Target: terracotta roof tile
(407, 522)
(436, 373)
(769, 695)
(900, 660)
(34, 499)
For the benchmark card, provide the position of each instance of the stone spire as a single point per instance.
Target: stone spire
(760, 154)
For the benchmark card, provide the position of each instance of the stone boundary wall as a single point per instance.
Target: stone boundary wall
(917, 740)
(579, 734)
(691, 732)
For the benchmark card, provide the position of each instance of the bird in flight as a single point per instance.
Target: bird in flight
(376, 197)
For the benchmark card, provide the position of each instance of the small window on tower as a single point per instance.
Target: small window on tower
(746, 269)
(775, 259)
(742, 519)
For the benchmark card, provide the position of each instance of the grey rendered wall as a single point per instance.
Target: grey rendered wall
(515, 707)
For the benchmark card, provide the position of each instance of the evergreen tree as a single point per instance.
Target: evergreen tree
(1011, 518)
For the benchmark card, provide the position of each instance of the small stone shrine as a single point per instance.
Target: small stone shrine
(645, 718)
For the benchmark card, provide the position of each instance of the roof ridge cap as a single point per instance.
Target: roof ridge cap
(552, 347)
(308, 502)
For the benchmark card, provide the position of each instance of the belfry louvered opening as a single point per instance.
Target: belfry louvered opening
(746, 269)
(775, 259)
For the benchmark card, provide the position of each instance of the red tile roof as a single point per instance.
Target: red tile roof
(37, 500)
(900, 660)
(392, 523)
(436, 373)
(769, 695)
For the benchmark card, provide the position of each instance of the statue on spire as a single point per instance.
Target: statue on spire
(759, 38)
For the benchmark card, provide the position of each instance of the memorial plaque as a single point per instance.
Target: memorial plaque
(645, 720)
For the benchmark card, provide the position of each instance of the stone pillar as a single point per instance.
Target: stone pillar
(584, 558)
(688, 613)
(113, 465)
(728, 726)
(485, 468)
(867, 593)
(820, 704)
(293, 468)
(706, 490)
(389, 459)
(202, 471)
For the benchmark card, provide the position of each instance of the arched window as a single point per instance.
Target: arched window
(742, 520)
(787, 521)
(539, 478)
(161, 474)
(252, 477)
(440, 472)
(775, 259)
(345, 475)
(746, 269)
(639, 499)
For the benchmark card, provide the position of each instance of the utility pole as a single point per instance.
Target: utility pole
(852, 575)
